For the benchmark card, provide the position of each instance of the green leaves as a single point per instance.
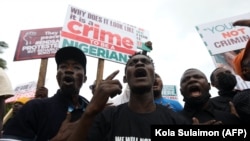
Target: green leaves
(3, 63)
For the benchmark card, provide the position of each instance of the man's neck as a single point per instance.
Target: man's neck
(75, 100)
(142, 103)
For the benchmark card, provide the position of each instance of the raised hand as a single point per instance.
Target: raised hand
(149, 45)
(243, 22)
(108, 87)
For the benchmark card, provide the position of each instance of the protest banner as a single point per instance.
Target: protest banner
(224, 41)
(38, 44)
(221, 36)
(101, 37)
(169, 92)
(23, 90)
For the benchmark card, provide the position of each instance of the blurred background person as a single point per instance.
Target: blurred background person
(242, 99)
(17, 105)
(157, 88)
(225, 82)
(6, 91)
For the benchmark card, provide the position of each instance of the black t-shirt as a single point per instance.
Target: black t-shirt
(120, 122)
(209, 113)
(242, 104)
(221, 102)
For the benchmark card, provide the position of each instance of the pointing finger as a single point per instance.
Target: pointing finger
(111, 76)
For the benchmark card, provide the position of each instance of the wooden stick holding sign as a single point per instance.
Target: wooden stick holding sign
(99, 74)
(42, 73)
(7, 116)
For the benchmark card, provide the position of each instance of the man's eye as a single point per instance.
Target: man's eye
(147, 61)
(77, 67)
(62, 66)
(132, 63)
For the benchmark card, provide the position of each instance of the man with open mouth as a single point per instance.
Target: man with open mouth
(131, 120)
(41, 119)
(195, 88)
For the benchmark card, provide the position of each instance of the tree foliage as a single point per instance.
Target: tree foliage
(3, 63)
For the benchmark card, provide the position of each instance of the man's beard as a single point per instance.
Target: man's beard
(226, 82)
(197, 101)
(140, 90)
(69, 91)
(157, 93)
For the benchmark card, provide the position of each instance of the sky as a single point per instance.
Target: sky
(171, 24)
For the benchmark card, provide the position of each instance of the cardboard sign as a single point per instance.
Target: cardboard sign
(169, 91)
(23, 90)
(37, 43)
(101, 37)
(221, 36)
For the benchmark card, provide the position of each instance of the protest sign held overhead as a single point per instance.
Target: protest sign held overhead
(37, 43)
(224, 41)
(221, 36)
(101, 37)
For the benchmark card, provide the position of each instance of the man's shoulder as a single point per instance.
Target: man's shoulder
(243, 91)
(35, 105)
(215, 98)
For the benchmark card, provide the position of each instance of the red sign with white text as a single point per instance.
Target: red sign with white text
(37, 43)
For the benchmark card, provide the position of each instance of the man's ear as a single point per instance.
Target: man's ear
(124, 79)
(84, 78)
(209, 86)
(181, 92)
(212, 84)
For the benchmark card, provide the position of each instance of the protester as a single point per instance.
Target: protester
(225, 81)
(124, 97)
(41, 119)
(17, 105)
(41, 92)
(242, 99)
(241, 63)
(130, 120)
(195, 88)
(157, 88)
(6, 91)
